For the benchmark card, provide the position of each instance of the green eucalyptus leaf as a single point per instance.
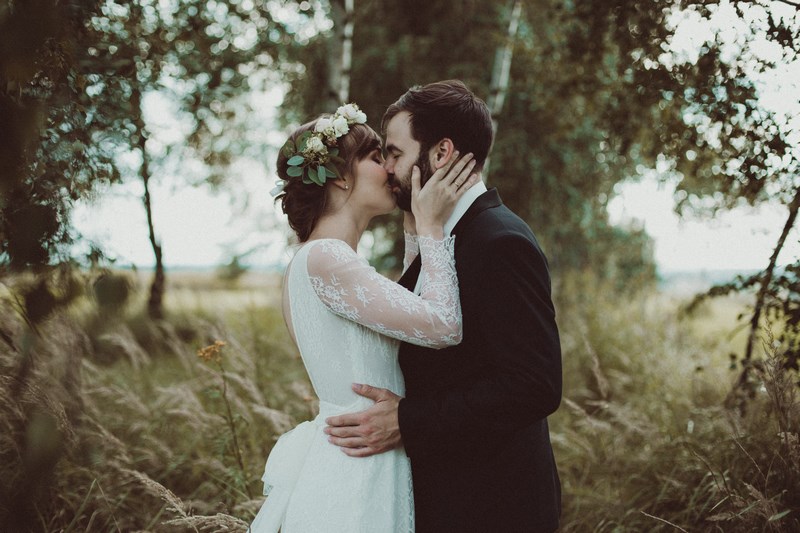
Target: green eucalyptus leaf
(294, 171)
(322, 174)
(313, 176)
(296, 161)
(330, 173)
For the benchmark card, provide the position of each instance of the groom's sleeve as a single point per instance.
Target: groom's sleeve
(522, 383)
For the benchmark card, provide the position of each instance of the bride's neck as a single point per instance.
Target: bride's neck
(339, 226)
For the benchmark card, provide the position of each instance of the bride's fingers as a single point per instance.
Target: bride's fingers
(415, 180)
(445, 172)
(464, 175)
(455, 168)
(472, 180)
(460, 170)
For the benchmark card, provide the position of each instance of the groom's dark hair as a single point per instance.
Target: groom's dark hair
(446, 109)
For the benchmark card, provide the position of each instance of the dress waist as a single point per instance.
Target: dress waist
(286, 461)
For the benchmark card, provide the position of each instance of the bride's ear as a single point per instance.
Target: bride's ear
(342, 183)
(443, 152)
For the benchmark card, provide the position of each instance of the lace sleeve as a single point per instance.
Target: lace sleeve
(354, 290)
(411, 250)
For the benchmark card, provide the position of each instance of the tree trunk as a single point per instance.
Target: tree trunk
(335, 50)
(501, 72)
(347, 50)
(155, 308)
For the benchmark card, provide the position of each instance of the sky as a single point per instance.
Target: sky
(740, 239)
(199, 228)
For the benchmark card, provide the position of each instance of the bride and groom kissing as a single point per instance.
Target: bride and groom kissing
(434, 390)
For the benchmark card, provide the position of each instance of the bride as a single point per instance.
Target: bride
(347, 320)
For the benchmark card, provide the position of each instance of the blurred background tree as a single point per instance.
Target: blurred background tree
(48, 157)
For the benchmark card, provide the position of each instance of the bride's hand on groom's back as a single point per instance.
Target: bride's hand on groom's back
(433, 204)
(369, 432)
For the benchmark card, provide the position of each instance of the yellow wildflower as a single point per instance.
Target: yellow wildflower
(211, 352)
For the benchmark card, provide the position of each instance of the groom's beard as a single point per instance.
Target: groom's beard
(425, 172)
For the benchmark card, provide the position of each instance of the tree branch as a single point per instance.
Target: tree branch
(787, 2)
(767, 279)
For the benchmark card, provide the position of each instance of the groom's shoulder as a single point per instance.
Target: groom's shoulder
(500, 224)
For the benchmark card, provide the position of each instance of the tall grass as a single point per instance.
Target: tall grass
(120, 426)
(644, 441)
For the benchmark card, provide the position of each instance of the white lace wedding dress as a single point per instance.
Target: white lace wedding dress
(347, 320)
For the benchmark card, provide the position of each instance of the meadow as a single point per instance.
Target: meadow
(113, 422)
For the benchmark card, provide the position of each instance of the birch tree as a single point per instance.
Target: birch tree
(498, 88)
(339, 52)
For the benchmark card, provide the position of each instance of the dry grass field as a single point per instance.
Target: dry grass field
(116, 424)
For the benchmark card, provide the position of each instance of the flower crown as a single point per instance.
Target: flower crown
(314, 154)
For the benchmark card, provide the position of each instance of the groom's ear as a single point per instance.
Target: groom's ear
(443, 152)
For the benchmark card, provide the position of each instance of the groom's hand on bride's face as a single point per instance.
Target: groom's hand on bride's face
(373, 431)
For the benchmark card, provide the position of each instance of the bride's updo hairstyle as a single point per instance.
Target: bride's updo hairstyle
(304, 203)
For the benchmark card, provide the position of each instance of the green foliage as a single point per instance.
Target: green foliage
(48, 157)
(75, 78)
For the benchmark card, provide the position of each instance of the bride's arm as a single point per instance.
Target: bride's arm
(354, 290)
(351, 288)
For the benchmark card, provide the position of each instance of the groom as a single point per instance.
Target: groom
(474, 419)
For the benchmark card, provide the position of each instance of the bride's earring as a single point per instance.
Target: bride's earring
(346, 186)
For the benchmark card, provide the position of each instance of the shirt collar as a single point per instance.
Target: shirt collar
(462, 205)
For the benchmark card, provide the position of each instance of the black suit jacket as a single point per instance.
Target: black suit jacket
(474, 419)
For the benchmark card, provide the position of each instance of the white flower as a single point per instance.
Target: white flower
(279, 186)
(314, 144)
(352, 114)
(322, 125)
(340, 126)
